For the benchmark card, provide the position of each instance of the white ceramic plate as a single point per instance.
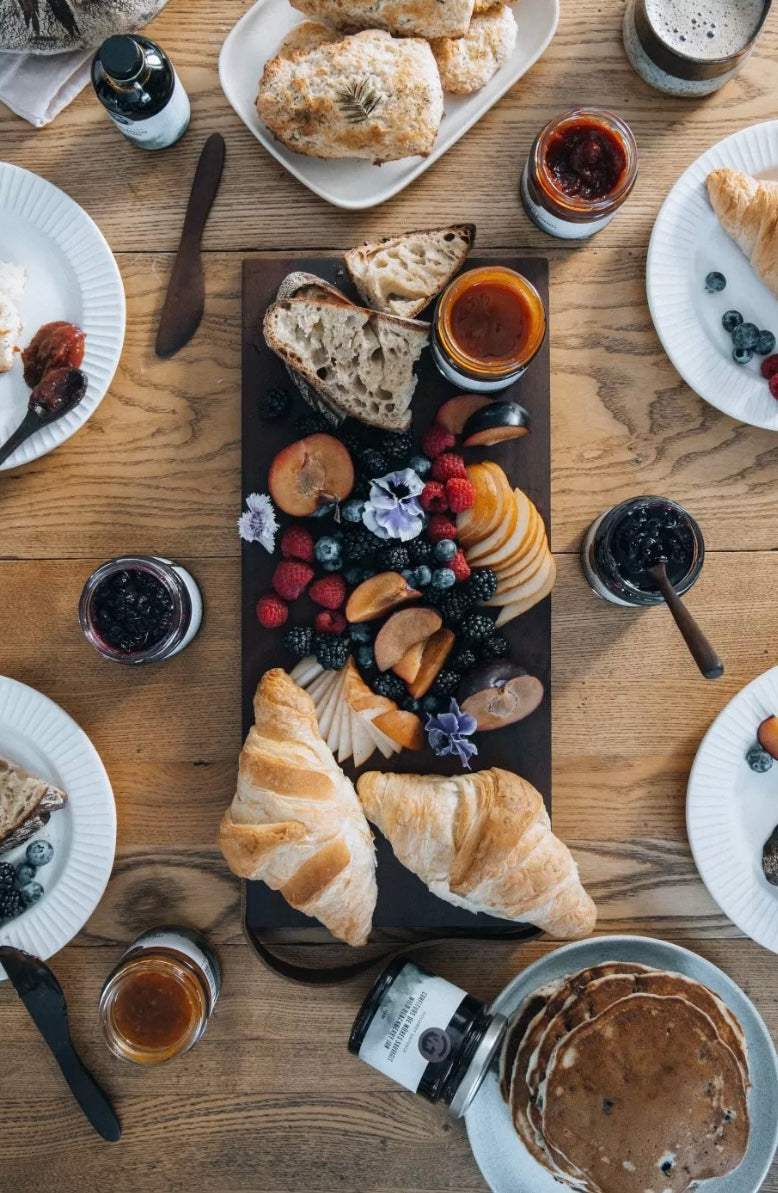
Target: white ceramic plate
(359, 184)
(731, 811)
(504, 1161)
(686, 244)
(71, 275)
(37, 734)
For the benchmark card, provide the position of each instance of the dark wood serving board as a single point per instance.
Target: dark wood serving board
(405, 909)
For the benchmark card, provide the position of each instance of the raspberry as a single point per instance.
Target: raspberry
(330, 591)
(271, 611)
(448, 466)
(433, 498)
(436, 441)
(769, 366)
(297, 543)
(291, 578)
(327, 622)
(460, 494)
(440, 527)
(460, 567)
(773, 385)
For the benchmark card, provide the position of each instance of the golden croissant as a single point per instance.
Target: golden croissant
(747, 210)
(481, 841)
(295, 821)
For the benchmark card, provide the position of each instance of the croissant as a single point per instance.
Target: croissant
(747, 210)
(295, 821)
(482, 841)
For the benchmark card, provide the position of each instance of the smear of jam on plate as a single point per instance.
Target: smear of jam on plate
(57, 345)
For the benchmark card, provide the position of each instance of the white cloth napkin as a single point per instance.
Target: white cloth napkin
(38, 86)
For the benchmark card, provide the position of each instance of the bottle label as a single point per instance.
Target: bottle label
(564, 229)
(409, 1029)
(162, 129)
(186, 943)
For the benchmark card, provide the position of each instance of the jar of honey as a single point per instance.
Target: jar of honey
(488, 325)
(581, 168)
(157, 1002)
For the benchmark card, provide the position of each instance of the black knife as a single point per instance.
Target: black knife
(42, 995)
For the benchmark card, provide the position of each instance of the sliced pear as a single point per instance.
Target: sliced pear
(404, 728)
(306, 670)
(329, 707)
(364, 743)
(516, 546)
(508, 612)
(382, 741)
(345, 739)
(524, 569)
(498, 536)
(318, 687)
(519, 525)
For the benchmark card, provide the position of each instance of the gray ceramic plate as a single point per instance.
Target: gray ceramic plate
(505, 1163)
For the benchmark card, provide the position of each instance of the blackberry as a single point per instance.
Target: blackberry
(11, 904)
(419, 550)
(494, 647)
(358, 544)
(475, 627)
(373, 463)
(298, 640)
(352, 443)
(482, 584)
(7, 876)
(462, 661)
(392, 558)
(446, 682)
(331, 651)
(398, 447)
(453, 608)
(311, 423)
(390, 686)
(361, 488)
(274, 403)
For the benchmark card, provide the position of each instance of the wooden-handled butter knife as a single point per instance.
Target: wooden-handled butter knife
(185, 298)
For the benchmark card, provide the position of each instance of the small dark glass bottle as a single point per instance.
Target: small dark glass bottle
(137, 85)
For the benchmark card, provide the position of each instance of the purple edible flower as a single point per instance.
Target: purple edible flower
(392, 511)
(449, 733)
(258, 523)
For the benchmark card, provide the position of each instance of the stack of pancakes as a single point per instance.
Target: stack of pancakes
(627, 1079)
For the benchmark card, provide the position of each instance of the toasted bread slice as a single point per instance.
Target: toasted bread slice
(307, 36)
(358, 362)
(467, 63)
(406, 18)
(402, 274)
(26, 802)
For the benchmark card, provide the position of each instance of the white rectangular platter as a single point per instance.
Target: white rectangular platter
(356, 185)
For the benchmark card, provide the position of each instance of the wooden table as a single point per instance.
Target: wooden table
(270, 1099)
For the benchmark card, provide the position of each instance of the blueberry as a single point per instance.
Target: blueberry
(409, 704)
(31, 893)
(362, 631)
(742, 356)
(765, 344)
(40, 853)
(420, 465)
(443, 578)
(432, 704)
(327, 550)
(758, 759)
(408, 576)
(745, 335)
(422, 576)
(715, 282)
(353, 577)
(352, 510)
(333, 565)
(365, 658)
(444, 550)
(731, 319)
(25, 873)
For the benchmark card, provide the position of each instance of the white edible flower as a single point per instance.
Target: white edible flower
(258, 522)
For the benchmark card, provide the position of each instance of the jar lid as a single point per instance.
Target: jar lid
(479, 1066)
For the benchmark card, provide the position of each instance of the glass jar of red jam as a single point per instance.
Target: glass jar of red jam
(140, 609)
(581, 168)
(488, 325)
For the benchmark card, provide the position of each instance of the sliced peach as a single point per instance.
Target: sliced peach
(409, 664)
(454, 413)
(436, 651)
(378, 595)
(767, 736)
(402, 631)
(308, 473)
(403, 727)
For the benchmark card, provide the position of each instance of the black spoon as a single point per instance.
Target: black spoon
(54, 396)
(42, 995)
(700, 648)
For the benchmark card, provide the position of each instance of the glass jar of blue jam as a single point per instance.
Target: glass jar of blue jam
(626, 540)
(427, 1034)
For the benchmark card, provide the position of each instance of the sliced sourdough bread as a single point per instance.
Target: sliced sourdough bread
(355, 362)
(402, 274)
(26, 802)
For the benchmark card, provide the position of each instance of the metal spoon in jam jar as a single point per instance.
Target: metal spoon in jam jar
(55, 395)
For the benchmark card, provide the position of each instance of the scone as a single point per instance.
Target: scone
(467, 63)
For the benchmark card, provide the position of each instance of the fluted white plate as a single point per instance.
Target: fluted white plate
(71, 275)
(686, 244)
(731, 811)
(37, 734)
(349, 183)
(504, 1161)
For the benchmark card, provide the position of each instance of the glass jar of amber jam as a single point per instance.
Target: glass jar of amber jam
(489, 323)
(157, 1002)
(581, 168)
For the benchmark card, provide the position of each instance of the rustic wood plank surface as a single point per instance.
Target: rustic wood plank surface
(270, 1099)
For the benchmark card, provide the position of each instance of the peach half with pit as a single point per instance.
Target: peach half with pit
(309, 473)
